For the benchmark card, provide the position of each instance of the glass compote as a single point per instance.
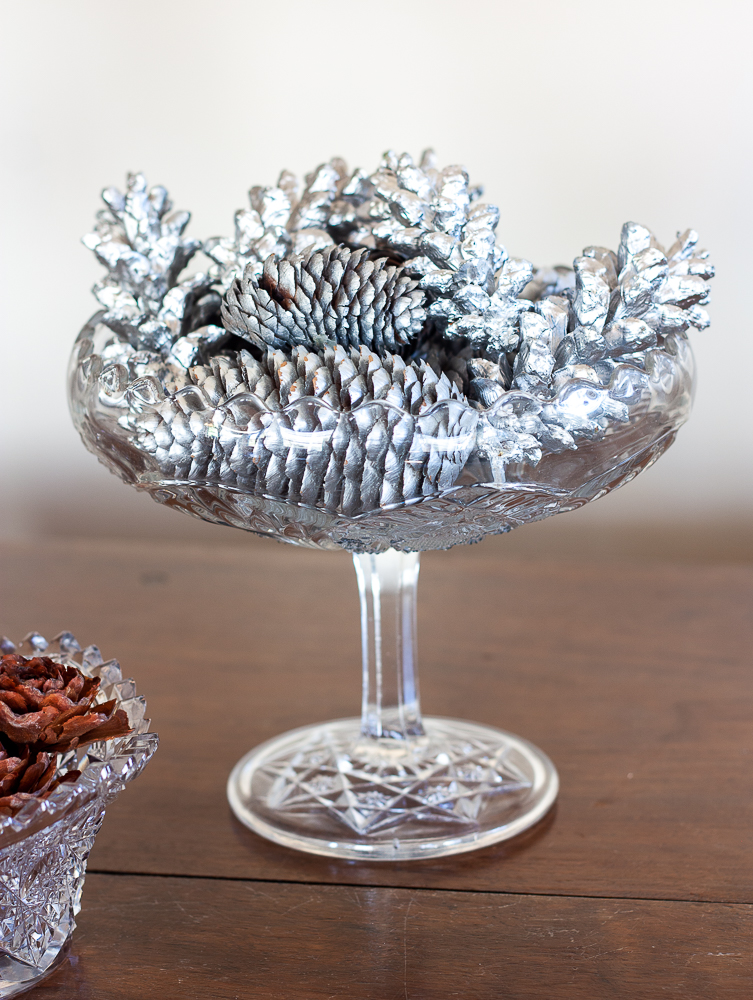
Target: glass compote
(393, 784)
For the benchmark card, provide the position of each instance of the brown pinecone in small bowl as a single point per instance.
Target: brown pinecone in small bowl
(46, 708)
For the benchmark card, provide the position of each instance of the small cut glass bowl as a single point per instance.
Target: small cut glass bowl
(44, 848)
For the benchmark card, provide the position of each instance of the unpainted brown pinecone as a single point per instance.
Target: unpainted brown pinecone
(49, 707)
(28, 775)
(334, 294)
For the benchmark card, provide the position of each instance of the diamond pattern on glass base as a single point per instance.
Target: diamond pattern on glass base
(41, 880)
(327, 790)
(375, 788)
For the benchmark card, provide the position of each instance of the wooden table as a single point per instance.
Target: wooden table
(635, 678)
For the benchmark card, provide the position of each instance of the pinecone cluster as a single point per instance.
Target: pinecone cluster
(358, 289)
(433, 221)
(428, 219)
(46, 708)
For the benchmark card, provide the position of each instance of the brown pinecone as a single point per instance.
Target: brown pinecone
(334, 294)
(32, 775)
(49, 707)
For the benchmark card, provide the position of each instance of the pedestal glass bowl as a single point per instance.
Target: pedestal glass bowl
(392, 784)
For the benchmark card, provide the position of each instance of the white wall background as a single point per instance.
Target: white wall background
(576, 115)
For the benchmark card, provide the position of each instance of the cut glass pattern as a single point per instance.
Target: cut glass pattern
(391, 785)
(337, 792)
(44, 848)
(438, 779)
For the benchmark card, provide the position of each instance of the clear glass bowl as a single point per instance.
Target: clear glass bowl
(385, 485)
(469, 472)
(44, 848)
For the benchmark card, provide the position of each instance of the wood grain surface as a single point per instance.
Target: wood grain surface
(636, 680)
(155, 938)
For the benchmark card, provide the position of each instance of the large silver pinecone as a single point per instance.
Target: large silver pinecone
(343, 378)
(319, 296)
(319, 451)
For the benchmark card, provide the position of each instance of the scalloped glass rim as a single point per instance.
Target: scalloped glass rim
(101, 763)
(512, 399)
(127, 758)
(675, 351)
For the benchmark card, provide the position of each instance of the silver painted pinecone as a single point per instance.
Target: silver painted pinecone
(283, 219)
(334, 294)
(354, 460)
(140, 241)
(620, 306)
(342, 377)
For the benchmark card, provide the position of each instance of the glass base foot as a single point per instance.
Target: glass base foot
(328, 790)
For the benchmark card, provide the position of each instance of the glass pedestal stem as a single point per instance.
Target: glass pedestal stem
(387, 585)
(391, 785)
